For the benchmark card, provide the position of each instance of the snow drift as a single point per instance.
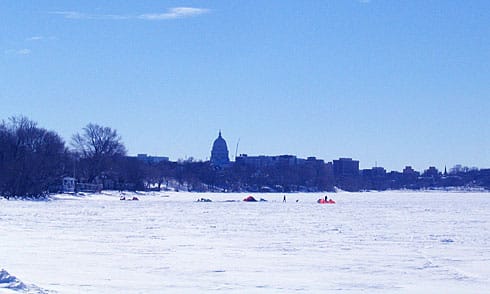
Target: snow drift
(7, 281)
(11, 284)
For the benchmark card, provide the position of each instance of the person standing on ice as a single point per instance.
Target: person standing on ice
(284, 198)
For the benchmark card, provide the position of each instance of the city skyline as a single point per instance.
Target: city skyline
(223, 156)
(388, 84)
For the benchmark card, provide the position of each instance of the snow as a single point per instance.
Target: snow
(10, 284)
(381, 242)
(8, 281)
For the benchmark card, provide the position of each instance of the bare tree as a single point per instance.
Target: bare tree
(99, 146)
(98, 141)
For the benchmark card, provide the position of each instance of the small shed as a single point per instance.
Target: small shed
(68, 185)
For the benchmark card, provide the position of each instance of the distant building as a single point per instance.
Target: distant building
(151, 159)
(375, 178)
(374, 172)
(345, 167)
(408, 170)
(313, 161)
(262, 161)
(431, 172)
(346, 174)
(219, 153)
(378, 171)
(255, 161)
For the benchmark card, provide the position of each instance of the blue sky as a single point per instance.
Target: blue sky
(393, 82)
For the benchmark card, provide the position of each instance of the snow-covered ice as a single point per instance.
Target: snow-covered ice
(389, 242)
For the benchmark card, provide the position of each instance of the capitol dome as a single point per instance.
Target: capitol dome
(219, 153)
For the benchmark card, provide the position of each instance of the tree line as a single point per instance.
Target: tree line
(33, 162)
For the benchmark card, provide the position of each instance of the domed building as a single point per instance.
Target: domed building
(219, 153)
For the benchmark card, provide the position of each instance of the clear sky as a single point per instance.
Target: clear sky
(393, 82)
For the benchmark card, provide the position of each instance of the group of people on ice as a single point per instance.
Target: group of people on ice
(321, 200)
(325, 200)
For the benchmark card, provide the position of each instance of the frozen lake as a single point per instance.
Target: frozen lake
(390, 242)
